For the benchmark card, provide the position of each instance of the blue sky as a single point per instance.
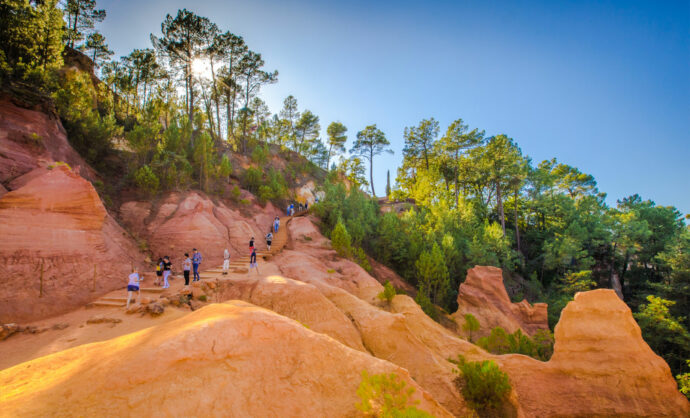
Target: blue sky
(601, 85)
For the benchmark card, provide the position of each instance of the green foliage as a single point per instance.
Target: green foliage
(501, 342)
(252, 179)
(388, 292)
(471, 325)
(482, 383)
(427, 306)
(387, 396)
(361, 258)
(664, 332)
(684, 381)
(235, 193)
(146, 180)
(341, 241)
(260, 154)
(432, 274)
(203, 298)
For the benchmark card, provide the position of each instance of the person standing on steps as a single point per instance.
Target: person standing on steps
(196, 260)
(133, 285)
(269, 239)
(186, 267)
(287, 211)
(251, 245)
(159, 272)
(252, 261)
(276, 224)
(226, 261)
(167, 265)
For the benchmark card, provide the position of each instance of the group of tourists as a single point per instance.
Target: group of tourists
(164, 266)
(190, 264)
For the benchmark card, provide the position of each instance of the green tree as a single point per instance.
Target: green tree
(97, 49)
(388, 292)
(432, 274)
(420, 141)
(336, 140)
(370, 142)
(252, 77)
(307, 131)
(471, 325)
(81, 17)
(450, 148)
(146, 180)
(387, 396)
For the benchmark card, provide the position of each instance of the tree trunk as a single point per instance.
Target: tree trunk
(328, 161)
(371, 171)
(517, 229)
(499, 202)
(216, 98)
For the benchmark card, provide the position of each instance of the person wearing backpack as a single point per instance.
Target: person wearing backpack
(269, 239)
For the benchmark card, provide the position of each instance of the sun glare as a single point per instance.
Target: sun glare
(201, 68)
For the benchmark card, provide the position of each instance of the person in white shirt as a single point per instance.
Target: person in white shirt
(133, 285)
(186, 268)
(269, 239)
(226, 261)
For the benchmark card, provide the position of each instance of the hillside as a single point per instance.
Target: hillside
(307, 325)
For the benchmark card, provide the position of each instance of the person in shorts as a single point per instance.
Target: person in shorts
(133, 285)
(269, 239)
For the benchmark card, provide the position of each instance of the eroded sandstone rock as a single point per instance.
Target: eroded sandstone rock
(230, 359)
(483, 295)
(59, 248)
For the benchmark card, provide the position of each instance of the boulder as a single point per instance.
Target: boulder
(230, 359)
(483, 295)
(60, 248)
(6, 330)
(599, 356)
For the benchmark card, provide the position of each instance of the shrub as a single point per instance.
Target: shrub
(260, 154)
(265, 194)
(252, 179)
(203, 298)
(501, 342)
(388, 292)
(482, 383)
(340, 240)
(245, 202)
(235, 193)
(146, 180)
(387, 395)
(471, 324)
(425, 303)
(684, 382)
(361, 259)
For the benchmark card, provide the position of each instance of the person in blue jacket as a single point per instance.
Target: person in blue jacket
(196, 260)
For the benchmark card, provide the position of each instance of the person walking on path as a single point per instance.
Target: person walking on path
(287, 211)
(251, 244)
(133, 285)
(226, 261)
(276, 224)
(159, 272)
(269, 239)
(167, 265)
(196, 260)
(252, 261)
(186, 267)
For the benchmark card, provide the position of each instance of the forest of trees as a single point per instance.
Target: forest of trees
(154, 122)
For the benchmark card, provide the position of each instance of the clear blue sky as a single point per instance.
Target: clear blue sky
(601, 85)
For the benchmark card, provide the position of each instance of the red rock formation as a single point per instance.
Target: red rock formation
(230, 359)
(601, 366)
(29, 139)
(483, 295)
(192, 220)
(59, 248)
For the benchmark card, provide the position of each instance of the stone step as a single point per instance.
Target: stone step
(152, 289)
(116, 299)
(104, 303)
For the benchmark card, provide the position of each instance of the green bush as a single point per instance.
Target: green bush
(203, 298)
(388, 292)
(260, 154)
(387, 395)
(252, 179)
(361, 259)
(501, 342)
(425, 303)
(471, 325)
(265, 194)
(146, 180)
(340, 240)
(684, 382)
(482, 383)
